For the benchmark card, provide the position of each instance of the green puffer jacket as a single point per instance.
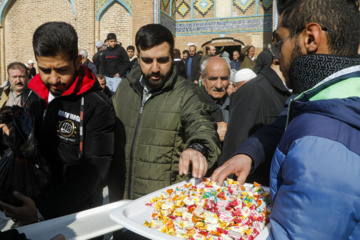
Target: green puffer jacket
(154, 137)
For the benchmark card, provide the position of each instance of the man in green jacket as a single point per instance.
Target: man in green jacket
(165, 132)
(247, 57)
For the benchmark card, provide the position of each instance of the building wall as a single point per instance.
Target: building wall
(84, 24)
(117, 20)
(143, 13)
(18, 29)
(196, 21)
(258, 40)
(200, 21)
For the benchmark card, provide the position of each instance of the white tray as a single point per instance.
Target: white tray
(78, 226)
(133, 215)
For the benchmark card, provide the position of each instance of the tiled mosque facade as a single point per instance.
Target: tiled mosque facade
(221, 22)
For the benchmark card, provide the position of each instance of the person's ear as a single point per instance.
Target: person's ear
(314, 39)
(203, 82)
(78, 62)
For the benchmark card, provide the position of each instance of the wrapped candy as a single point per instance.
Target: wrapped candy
(210, 212)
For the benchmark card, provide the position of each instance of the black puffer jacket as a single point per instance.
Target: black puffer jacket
(78, 178)
(114, 60)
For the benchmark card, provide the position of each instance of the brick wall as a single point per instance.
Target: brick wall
(22, 19)
(84, 25)
(142, 15)
(117, 20)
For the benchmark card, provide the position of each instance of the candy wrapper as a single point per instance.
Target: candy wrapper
(208, 211)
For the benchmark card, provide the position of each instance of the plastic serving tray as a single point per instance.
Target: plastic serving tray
(133, 215)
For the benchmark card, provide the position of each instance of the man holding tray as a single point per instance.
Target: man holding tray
(165, 132)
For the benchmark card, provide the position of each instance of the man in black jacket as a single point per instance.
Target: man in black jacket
(115, 63)
(98, 56)
(192, 65)
(77, 131)
(256, 104)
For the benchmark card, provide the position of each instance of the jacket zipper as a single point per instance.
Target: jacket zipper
(135, 135)
(288, 114)
(132, 151)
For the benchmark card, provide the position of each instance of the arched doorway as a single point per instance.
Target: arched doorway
(227, 44)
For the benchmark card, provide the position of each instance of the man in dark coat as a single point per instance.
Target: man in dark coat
(264, 60)
(77, 132)
(180, 65)
(215, 76)
(86, 62)
(256, 104)
(192, 65)
(132, 57)
(98, 56)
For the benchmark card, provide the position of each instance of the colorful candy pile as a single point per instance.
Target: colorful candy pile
(208, 211)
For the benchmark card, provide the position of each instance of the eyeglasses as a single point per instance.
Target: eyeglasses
(275, 48)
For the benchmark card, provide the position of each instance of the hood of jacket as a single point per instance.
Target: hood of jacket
(337, 96)
(84, 81)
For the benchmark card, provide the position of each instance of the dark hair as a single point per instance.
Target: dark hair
(111, 36)
(100, 76)
(16, 65)
(207, 48)
(54, 38)
(176, 53)
(334, 16)
(152, 35)
(200, 51)
(130, 47)
(192, 46)
(273, 36)
(187, 52)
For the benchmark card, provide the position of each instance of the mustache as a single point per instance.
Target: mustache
(215, 89)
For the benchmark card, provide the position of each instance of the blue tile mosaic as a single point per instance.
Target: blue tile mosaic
(99, 4)
(165, 3)
(168, 22)
(213, 26)
(183, 9)
(243, 5)
(203, 6)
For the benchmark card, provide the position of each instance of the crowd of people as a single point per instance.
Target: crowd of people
(144, 118)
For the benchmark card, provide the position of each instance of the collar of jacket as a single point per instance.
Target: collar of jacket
(110, 49)
(337, 96)
(134, 78)
(86, 62)
(274, 79)
(84, 81)
(308, 70)
(6, 91)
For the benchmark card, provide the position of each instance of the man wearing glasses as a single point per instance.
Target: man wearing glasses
(315, 169)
